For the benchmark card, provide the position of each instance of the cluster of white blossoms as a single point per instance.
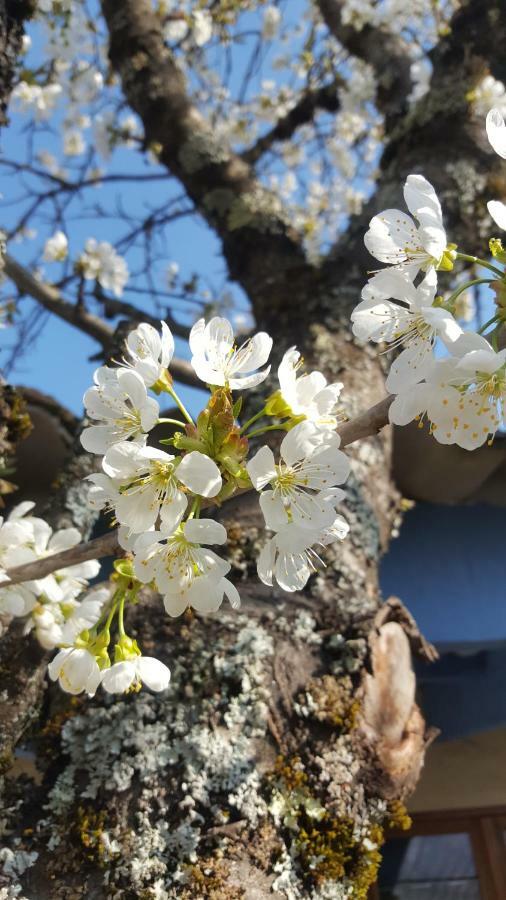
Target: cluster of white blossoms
(101, 263)
(49, 605)
(160, 498)
(462, 393)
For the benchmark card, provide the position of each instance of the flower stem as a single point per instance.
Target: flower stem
(258, 431)
(170, 422)
(464, 287)
(121, 610)
(179, 403)
(195, 510)
(253, 419)
(491, 321)
(481, 262)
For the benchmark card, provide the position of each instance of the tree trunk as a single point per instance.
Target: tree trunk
(276, 758)
(289, 736)
(13, 13)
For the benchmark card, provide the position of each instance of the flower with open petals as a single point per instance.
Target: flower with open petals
(463, 397)
(289, 556)
(496, 133)
(308, 395)
(413, 323)
(186, 571)
(148, 484)
(395, 238)
(150, 353)
(76, 670)
(310, 463)
(56, 247)
(128, 674)
(100, 262)
(218, 361)
(122, 408)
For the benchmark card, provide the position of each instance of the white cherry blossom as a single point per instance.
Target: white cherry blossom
(56, 247)
(202, 27)
(413, 326)
(100, 262)
(395, 238)
(496, 133)
(76, 670)
(289, 556)
(463, 397)
(150, 484)
(120, 404)
(185, 570)
(308, 395)
(217, 360)
(150, 354)
(128, 674)
(310, 463)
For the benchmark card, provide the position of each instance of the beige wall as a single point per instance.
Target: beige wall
(469, 772)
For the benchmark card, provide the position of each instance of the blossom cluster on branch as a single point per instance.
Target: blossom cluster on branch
(461, 394)
(157, 496)
(160, 497)
(49, 605)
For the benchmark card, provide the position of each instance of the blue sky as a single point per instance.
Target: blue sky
(58, 362)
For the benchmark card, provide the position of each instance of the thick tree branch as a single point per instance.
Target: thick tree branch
(51, 299)
(324, 97)
(387, 53)
(115, 307)
(258, 241)
(367, 424)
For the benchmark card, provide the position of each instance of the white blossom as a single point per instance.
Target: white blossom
(488, 93)
(496, 133)
(149, 353)
(129, 673)
(413, 322)
(310, 463)
(73, 142)
(395, 238)
(217, 360)
(150, 484)
(101, 262)
(120, 404)
(41, 99)
(76, 670)
(463, 397)
(308, 395)
(202, 27)
(186, 571)
(270, 22)
(289, 556)
(56, 247)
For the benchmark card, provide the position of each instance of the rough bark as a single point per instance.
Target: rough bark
(288, 739)
(13, 14)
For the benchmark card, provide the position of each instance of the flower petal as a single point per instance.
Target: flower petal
(496, 133)
(153, 673)
(205, 531)
(261, 467)
(200, 474)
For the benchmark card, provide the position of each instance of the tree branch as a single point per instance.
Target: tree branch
(324, 97)
(387, 53)
(51, 299)
(367, 424)
(259, 243)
